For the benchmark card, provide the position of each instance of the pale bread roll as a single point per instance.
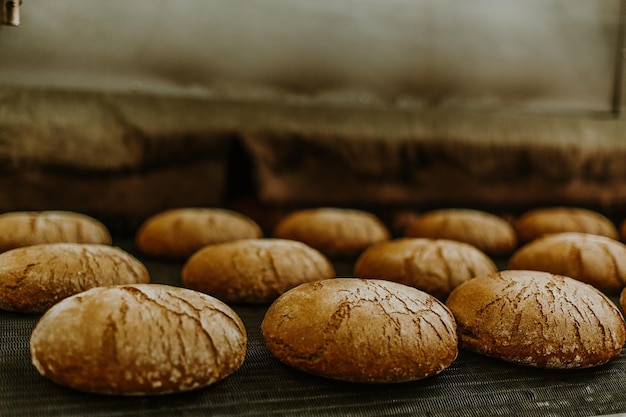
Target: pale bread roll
(254, 270)
(435, 266)
(33, 278)
(368, 331)
(178, 233)
(25, 228)
(537, 319)
(490, 233)
(138, 339)
(546, 220)
(336, 232)
(596, 260)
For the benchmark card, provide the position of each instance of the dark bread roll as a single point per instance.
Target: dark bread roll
(368, 331)
(546, 220)
(490, 233)
(25, 228)
(435, 266)
(138, 339)
(597, 260)
(33, 278)
(537, 319)
(178, 233)
(254, 270)
(336, 232)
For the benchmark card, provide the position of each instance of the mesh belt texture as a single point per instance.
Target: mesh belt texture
(473, 385)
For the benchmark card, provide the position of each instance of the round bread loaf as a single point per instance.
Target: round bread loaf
(537, 319)
(369, 331)
(335, 232)
(178, 233)
(546, 220)
(435, 266)
(488, 232)
(33, 278)
(138, 339)
(25, 228)
(254, 270)
(597, 260)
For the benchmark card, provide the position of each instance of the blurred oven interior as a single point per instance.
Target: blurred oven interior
(121, 109)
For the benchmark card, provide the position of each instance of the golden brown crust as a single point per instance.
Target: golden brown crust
(488, 232)
(335, 232)
(178, 233)
(435, 266)
(368, 331)
(33, 278)
(25, 228)
(537, 319)
(254, 270)
(138, 339)
(546, 220)
(596, 260)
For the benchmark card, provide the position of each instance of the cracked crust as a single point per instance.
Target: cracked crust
(33, 278)
(596, 260)
(178, 233)
(25, 228)
(489, 233)
(537, 319)
(138, 339)
(336, 232)
(435, 266)
(546, 220)
(368, 331)
(254, 270)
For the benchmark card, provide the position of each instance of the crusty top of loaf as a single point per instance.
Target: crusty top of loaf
(537, 319)
(488, 232)
(254, 270)
(24, 228)
(432, 265)
(545, 220)
(336, 232)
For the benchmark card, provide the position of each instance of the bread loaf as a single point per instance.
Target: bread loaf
(546, 220)
(537, 319)
(335, 232)
(435, 266)
(33, 278)
(25, 228)
(368, 331)
(488, 232)
(596, 260)
(138, 339)
(178, 233)
(254, 270)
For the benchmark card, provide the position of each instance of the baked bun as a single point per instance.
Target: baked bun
(335, 232)
(254, 270)
(596, 260)
(546, 220)
(488, 232)
(178, 233)
(33, 278)
(435, 266)
(138, 339)
(537, 319)
(368, 331)
(25, 228)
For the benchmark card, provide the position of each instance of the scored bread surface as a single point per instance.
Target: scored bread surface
(138, 339)
(254, 270)
(537, 319)
(25, 228)
(33, 278)
(368, 331)
(435, 266)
